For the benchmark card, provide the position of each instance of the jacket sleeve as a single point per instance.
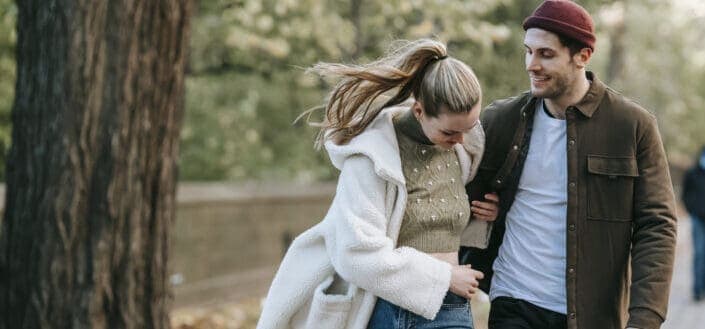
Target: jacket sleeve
(363, 254)
(654, 232)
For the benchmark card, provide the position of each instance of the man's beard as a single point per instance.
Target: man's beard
(558, 88)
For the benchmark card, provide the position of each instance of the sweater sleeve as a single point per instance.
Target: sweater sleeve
(363, 254)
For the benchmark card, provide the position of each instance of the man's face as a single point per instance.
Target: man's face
(552, 71)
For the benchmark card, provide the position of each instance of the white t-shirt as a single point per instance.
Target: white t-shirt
(532, 258)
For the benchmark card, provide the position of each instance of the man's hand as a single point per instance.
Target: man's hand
(486, 210)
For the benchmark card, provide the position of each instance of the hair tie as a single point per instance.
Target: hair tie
(438, 58)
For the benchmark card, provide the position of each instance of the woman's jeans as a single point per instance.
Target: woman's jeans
(698, 228)
(454, 313)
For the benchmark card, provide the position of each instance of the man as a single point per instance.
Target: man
(586, 231)
(694, 201)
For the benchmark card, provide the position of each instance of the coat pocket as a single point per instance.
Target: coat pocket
(610, 187)
(331, 304)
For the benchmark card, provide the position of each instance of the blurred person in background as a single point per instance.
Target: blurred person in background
(694, 200)
(386, 253)
(586, 232)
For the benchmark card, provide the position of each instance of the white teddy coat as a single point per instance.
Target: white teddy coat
(355, 243)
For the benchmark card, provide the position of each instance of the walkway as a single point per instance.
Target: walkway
(224, 291)
(683, 313)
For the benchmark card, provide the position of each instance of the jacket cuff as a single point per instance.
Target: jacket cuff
(433, 302)
(644, 318)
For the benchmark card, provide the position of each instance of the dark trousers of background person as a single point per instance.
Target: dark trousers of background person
(697, 226)
(512, 313)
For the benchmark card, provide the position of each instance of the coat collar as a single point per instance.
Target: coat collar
(378, 142)
(587, 105)
(591, 101)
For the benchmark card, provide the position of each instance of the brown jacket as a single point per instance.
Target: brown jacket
(621, 224)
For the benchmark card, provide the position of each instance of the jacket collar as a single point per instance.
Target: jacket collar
(591, 101)
(587, 105)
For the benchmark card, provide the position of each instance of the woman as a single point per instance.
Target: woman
(388, 244)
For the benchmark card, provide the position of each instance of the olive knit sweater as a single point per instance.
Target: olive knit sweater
(437, 208)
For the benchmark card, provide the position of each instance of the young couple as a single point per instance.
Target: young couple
(570, 221)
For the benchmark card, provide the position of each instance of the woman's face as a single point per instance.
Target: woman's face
(447, 129)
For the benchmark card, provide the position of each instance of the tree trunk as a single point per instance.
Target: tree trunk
(356, 18)
(92, 168)
(615, 67)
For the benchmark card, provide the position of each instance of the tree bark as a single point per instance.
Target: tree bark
(615, 67)
(356, 18)
(92, 167)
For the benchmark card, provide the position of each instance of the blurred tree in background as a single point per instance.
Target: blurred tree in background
(8, 39)
(246, 80)
(664, 68)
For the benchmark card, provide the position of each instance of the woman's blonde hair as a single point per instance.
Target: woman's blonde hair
(421, 69)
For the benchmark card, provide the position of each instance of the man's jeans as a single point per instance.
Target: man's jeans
(698, 228)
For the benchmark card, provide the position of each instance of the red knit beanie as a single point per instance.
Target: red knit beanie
(565, 18)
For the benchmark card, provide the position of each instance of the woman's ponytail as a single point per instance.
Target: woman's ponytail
(357, 98)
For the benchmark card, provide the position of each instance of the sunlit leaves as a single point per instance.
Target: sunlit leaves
(8, 39)
(247, 81)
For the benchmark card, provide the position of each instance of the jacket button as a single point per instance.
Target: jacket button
(571, 269)
(499, 181)
(572, 184)
(572, 315)
(571, 227)
(571, 142)
(515, 147)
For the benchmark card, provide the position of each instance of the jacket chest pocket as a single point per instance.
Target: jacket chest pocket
(610, 187)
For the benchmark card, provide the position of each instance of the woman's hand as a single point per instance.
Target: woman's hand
(486, 210)
(464, 280)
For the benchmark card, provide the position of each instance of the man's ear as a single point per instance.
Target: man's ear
(582, 58)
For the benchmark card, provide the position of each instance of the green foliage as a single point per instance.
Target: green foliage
(246, 80)
(247, 133)
(247, 84)
(665, 70)
(8, 39)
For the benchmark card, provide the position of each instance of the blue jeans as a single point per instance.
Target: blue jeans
(454, 314)
(698, 229)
